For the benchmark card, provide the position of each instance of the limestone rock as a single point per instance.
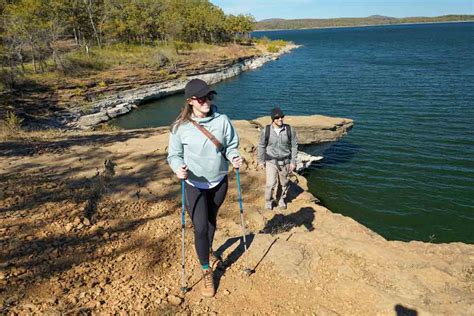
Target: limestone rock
(314, 129)
(125, 101)
(316, 133)
(175, 300)
(69, 227)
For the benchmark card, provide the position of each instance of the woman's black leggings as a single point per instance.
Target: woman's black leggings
(202, 205)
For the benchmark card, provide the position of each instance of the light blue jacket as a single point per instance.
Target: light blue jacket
(188, 145)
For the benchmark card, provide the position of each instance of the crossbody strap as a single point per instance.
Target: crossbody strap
(209, 135)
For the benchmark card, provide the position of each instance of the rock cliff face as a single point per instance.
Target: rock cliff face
(314, 129)
(124, 102)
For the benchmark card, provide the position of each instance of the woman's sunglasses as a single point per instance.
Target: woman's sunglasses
(203, 99)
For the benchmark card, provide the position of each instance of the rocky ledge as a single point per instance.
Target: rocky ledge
(315, 134)
(78, 235)
(124, 102)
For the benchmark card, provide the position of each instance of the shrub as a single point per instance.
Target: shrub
(10, 77)
(181, 46)
(160, 59)
(12, 121)
(272, 48)
(163, 72)
(280, 43)
(263, 40)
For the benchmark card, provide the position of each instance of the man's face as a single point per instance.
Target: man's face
(278, 121)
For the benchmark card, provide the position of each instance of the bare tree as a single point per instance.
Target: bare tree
(90, 12)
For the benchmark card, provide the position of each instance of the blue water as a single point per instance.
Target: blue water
(406, 170)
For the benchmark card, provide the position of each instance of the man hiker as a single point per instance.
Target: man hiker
(277, 150)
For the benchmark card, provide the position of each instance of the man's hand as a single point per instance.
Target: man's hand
(292, 167)
(261, 166)
(237, 162)
(182, 172)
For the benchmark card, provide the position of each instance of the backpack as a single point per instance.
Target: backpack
(288, 133)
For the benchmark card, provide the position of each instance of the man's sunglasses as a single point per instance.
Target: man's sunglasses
(279, 117)
(203, 99)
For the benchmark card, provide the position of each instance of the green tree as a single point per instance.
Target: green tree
(240, 26)
(27, 25)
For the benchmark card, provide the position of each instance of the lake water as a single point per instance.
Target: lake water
(406, 170)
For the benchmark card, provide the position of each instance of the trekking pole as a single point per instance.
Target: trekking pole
(183, 275)
(247, 271)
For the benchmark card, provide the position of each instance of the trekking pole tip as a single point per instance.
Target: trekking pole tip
(248, 271)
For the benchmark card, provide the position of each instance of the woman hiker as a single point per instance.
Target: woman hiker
(202, 142)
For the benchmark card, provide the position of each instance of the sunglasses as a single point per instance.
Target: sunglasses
(279, 117)
(203, 99)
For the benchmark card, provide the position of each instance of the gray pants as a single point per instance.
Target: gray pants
(276, 175)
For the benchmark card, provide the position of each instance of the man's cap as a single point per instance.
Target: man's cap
(276, 112)
(197, 88)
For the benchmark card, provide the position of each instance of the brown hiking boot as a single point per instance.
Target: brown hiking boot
(215, 262)
(207, 289)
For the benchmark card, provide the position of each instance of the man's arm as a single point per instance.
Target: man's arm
(261, 147)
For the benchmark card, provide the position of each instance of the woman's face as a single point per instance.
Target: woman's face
(201, 106)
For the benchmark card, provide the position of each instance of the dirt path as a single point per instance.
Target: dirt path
(91, 224)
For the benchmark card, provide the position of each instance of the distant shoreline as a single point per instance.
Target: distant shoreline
(362, 25)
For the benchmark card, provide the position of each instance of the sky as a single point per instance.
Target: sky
(297, 9)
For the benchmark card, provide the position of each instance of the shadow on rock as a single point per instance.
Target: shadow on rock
(20, 148)
(283, 223)
(294, 190)
(401, 310)
(233, 256)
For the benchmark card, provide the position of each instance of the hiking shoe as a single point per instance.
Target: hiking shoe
(282, 205)
(207, 289)
(215, 262)
(269, 205)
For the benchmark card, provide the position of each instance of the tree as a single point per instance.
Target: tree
(92, 9)
(27, 25)
(240, 26)
(31, 29)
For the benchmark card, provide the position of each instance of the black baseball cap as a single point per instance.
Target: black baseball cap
(197, 88)
(276, 112)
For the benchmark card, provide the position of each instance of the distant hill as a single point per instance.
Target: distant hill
(275, 23)
(273, 20)
(381, 17)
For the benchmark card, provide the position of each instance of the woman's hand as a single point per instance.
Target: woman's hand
(237, 162)
(182, 172)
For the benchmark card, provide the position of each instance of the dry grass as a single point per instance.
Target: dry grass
(76, 64)
(271, 46)
(21, 135)
(107, 127)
